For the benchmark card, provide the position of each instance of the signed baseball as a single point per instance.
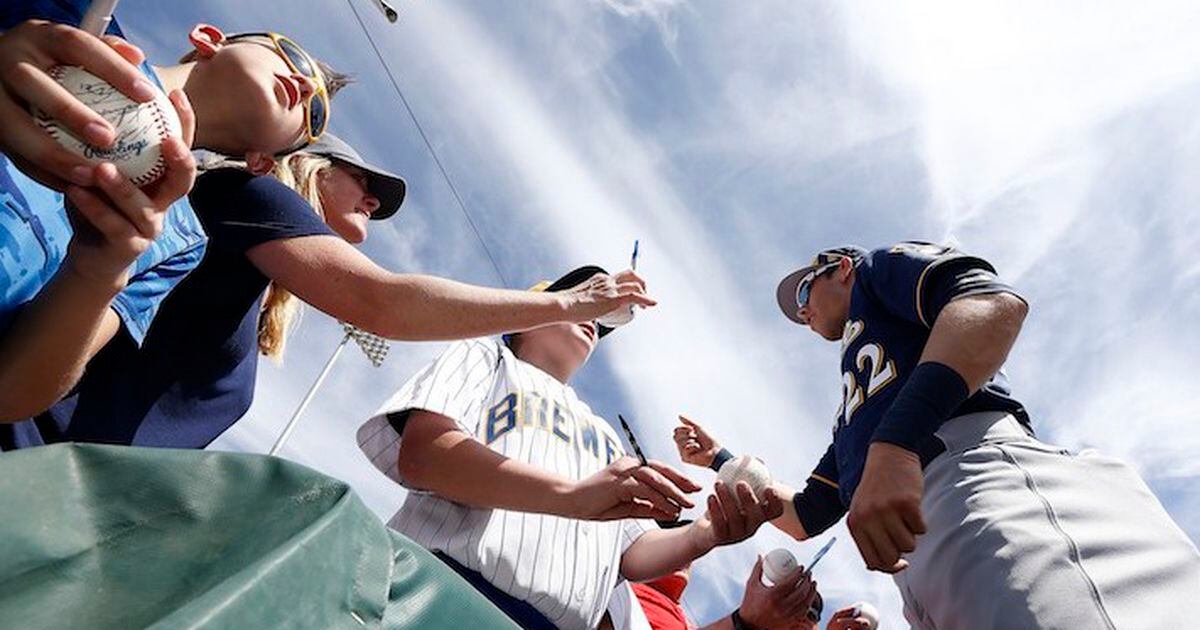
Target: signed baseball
(778, 564)
(746, 468)
(140, 127)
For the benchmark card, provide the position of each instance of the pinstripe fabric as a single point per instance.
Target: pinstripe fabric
(565, 568)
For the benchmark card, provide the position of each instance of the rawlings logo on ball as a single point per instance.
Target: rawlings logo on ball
(140, 127)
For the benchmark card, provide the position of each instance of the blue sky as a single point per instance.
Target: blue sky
(734, 140)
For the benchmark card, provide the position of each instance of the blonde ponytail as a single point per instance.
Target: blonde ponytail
(302, 172)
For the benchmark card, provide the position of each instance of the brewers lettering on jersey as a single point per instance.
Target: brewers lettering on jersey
(565, 568)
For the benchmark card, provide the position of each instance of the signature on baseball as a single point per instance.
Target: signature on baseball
(134, 124)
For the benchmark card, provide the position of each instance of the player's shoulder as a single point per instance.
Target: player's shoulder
(916, 256)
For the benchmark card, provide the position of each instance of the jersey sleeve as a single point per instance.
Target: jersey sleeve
(241, 210)
(454, 383)
(819, 505)
(632, 529)
(138, 302)
(914, 280)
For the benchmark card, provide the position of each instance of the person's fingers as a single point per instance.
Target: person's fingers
(630, 276)
(129, 201)
(110, 223)
(772, 504)
(187, 116)
(626, 297)
(799, 599)
(654, 478)
(128, 51)
(635, 508)
(24, 138)
(77, 48)
(41, 91)
(755, 574)
(887, 556)
(676, 477)
(914, 521)
(897, 530)
(866, 548)
(751, 507)
(179, 176)
(716, 515)
(688, 421)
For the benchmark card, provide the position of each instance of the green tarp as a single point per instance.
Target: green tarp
(96, 536)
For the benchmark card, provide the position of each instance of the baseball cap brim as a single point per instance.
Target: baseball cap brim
(386, 186)
(785, 294)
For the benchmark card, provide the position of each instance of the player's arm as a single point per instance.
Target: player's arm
(436, 455)
(44, 351)
(975, 321)
(728, 520)
(333, 276)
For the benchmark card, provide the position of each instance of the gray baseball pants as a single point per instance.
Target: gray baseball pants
(1024, 535)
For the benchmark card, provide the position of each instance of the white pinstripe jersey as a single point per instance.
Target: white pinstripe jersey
(565, 568)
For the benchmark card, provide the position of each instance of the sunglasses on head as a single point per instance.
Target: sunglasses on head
(316, 108)
(804, 289)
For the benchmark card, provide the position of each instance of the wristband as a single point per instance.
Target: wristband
(933, 392)
(738, 622)
(720, 458)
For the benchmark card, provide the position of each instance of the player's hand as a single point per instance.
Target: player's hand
(695, 445)
(731, 518)
(626, 489)
(602, 294)
(27, 52)
(778, 606)
(885, 513)
(116, 222)
(846, 619)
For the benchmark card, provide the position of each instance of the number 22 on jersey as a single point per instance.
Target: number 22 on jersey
(874, 372)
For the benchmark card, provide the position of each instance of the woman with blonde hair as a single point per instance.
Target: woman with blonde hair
(273, 242)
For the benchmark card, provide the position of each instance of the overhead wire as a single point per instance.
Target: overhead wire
(429, 146)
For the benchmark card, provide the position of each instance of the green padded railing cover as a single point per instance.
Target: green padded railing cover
(95, 536)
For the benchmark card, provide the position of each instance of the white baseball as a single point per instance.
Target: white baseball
(752, 470)
(778, 564)
(140, 127)
(868, 610)
(619, 317)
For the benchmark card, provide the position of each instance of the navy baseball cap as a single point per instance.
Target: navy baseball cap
(790, 286)
(387, 187)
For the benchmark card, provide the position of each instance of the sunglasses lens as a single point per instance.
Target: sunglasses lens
(318, 115)
(802, 295)
(298, 58)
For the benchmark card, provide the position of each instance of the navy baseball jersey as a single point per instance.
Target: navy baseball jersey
(897, 294)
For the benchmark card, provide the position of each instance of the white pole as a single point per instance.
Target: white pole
(287, 431)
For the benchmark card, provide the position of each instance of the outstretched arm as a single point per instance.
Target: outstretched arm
(333, 276)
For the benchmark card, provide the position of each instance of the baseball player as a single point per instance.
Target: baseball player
(518, 486)
(982, 525)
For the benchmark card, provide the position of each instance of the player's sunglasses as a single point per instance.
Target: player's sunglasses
(804, 289)
(316, 108)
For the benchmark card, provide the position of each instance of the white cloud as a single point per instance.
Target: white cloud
(734, 140)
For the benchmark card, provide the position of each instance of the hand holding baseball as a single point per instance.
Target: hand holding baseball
(116, 221)
(602, 294)
(885, 513)
(27, 53)
(735, 514)
(695, 445)
(626, 489)
(780, 605)
(861, 616)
